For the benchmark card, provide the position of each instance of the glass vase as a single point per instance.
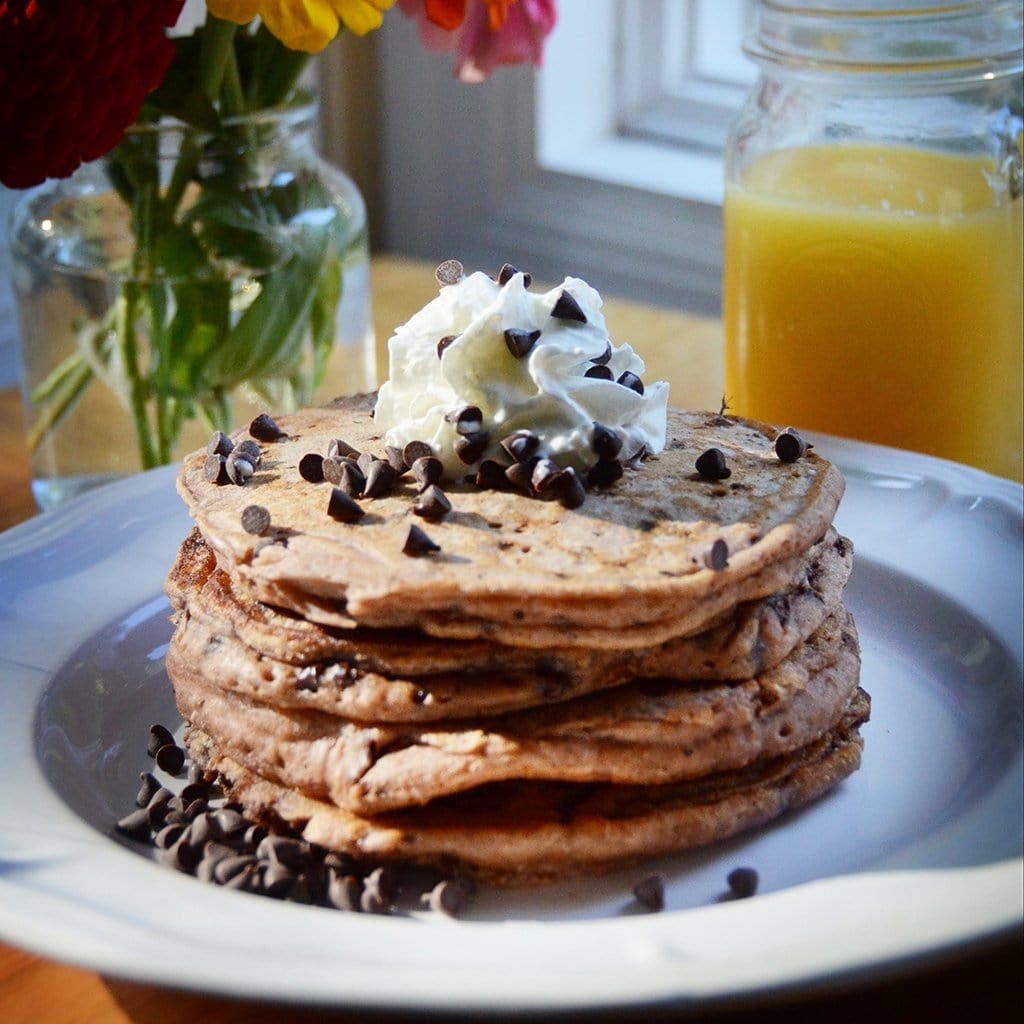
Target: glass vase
(180, 285)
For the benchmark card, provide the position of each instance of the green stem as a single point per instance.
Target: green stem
(136, 385)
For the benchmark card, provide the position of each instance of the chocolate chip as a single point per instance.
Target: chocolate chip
(339, 449)
(569, 489)
(230, 867)
(230, 822)
(181, 856)
(521, 445)
(467, 420)
(219, 444)
(158, 806)
(135, 825)
(378, 891)
(567, 308)
(597, 372)
(344, 891)
(292, 853)
(605, 357)
(278, 881)
(332, 468)
(449, 897)
(520, 343)
(380, 479)
(203, 830)
(490, 476)
(545, 473)
(249, 449)
(158, 736)
(449, 272)
(416, 450)
(711, 465)
(170, 758)
(365, 461)
(718, 557)
(604, 473)
(427, 470)
(215, 469)
(650, 893)
(471, 448)
(742, 883)
(311, 467)
(507, 272)
(396, 460)
(632, 381)
(790, 446)
(342, 508)
(194, 791)
(147, 789)
(350, 478)
(168, 836)
(432, 503)
(264, 428)
(605, 442)
(520, 475)
(255, 520)
(239, 469)
(444, 343)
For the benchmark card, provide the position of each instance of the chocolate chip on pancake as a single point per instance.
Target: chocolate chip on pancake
(255, 520)
(341, 507)
(418, 543)
(311, 467)
(264, 428)
(432, 503)
(711, 465)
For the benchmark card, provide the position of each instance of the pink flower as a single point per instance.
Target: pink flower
(491, 33)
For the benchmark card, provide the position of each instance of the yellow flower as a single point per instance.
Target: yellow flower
(307, 25)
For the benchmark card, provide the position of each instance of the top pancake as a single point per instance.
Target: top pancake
(635, 554)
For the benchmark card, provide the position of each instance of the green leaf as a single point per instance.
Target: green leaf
(179, 94)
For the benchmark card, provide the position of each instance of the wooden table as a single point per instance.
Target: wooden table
(686, 351)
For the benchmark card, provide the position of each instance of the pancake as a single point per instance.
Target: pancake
(642, 733)
(523, 832)
(632, 555)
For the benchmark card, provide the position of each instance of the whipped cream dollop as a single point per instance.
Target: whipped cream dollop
(476, 346)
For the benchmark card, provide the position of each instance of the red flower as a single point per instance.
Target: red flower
(73, 76)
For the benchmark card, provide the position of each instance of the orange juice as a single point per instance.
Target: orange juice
(874, 291)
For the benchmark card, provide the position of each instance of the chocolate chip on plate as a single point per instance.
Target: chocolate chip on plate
(265, 428)
(742, 883)
(341, 507)
(790, 446)
(148, 787)
(650, 893)
(567, 308)
(432, 503)
(712, 466)
(255, 520)
(598, 372)
(311, 467)
(170, 758)
(159, 735)
(136, 825)
(520, 343)
(630, 380)
(449, 896)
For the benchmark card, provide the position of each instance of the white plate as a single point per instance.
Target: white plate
(918, 852)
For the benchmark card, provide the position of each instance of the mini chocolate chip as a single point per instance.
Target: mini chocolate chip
(278, 881)
(351, 479)
(292, 853)
(219, 444)
(598, 372)
(230, 822)
(545, 472)
(467, 420)
(520, 343)
(605, 442)
(449, 272)
(416, 450)
(650, 893)
(255, 520)
(711, 465)
(567, 308)
(158, 736)
(265, 428)
(432, 503)
(254, 835)
(427, 470)
(168, 836)
(632, 381)
(520, 475)
(136, 825)
(170, 758)
(365, 461)
(332, 468)
(491, 476)
(444, 343)
(378, 891)
(396, 460)
(339, 449)
(194, 791)
(569, 489)
(471, 448)
(449, 897)
(196, 774)
(344, 891)
(718, 557)
(215, 469)
(380, 479)
(250, 450)
(521, 445)
(239, 468)
(742, 882)
(605, 357)
(181, 856)
(507, 272)
(342, 508)
(203, 830)
(311, 467)
(228, 867)
(790, 446)
(418, 543)
(194, 809)
(604, 473)
(147, 789)
(157, 808)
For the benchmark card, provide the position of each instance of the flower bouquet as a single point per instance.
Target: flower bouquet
(202, 253)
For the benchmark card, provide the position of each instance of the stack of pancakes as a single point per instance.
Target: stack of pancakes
(555, 690)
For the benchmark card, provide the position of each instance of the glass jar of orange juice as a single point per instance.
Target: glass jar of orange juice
(873, 226)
